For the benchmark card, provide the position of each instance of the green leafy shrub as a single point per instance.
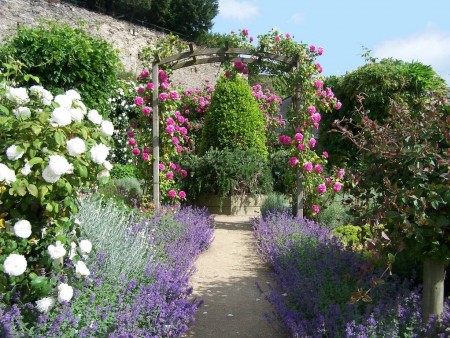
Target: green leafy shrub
(350, 234)
(227, 172)
(335, 214)
(234, 120)
(274, 203)
(125, 191)
(124, 170)
(65, 58)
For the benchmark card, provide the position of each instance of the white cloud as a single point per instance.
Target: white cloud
(431, 47)
(298, 18)
(240, 10)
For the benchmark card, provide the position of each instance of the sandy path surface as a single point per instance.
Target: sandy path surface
(226, 279)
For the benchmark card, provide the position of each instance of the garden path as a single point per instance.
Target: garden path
(226, 279)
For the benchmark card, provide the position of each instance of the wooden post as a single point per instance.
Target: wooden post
(433, 288)
(296, 103)
(155, 114)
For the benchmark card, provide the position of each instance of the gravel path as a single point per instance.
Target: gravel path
(226, 279)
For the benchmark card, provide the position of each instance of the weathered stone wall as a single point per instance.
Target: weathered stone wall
(128, 38)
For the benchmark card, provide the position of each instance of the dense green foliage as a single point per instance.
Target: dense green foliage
(275, 202)
(380, 84)
(65, 58)
(234, 120)
(227, 172)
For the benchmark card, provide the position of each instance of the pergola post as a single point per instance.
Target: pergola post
(298, 201)
(155, 115)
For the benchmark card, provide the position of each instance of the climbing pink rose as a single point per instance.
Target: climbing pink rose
(277, 39)
(173, 166)
(146, 110)
(321, 188)
(320, 51)
(312, 48)
(311, 110)
(299, 137)
(337, 186)
(145, 156)
(175, 140)
(172, 194)
(316, 117)
(182, 194)
(245, 32)
(138, 101)
(140, 90)
(161, 167)
(318, 168)
(184, 173)
(136, 151)
(163, 97)
(170, 129)
(132, 142)
(315, 208)
(308, 166)
(328, 181)
(338, 105)
(150, 86)
(173, 95)
(169, 175)
(144, 74)
(301, 147)
(325, 154)
(312, 142)
(293, 161)
(341, 173)
(130, 133)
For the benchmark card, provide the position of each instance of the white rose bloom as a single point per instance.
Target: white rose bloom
(41, 93)
(37, 91)
(73, 94)
(94, 117)
(26, 169)
(45, 304)
(107, 165)
(22, 228)
(81, 269)
(17, 95)
(47, 98)
(65, 292)
(49, 176)
(59, 165)
(73, 250)
(64, 101)
(103, 173)
(76, 146)
(22, 112)
(106, 128)
(56, 251)
(13, 153)
(80, 105)
(76, 114)
(6, 174)
(85, 246)
(99, 153)
(15, 265)
(61, 116)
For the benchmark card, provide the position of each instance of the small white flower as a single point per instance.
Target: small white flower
(17, 95)
(49, 176)
(43, 94)
(81, 269)
(26, 170)
(85, 246)
(65, 292)
(59, 165)
(73, 94)
(76, 146)
(99, 153)
(22, 112)
(22, 228)
(6, 174)
(45, 304)
(106, 128)
(80, 105)
(94, 117)
(107, 165)
(15, 265)
(76, 114)
(13, 153)
(73, 250)
(77, 221)
(103, 173)
(61, 116)
(56, 251)
(64, 101)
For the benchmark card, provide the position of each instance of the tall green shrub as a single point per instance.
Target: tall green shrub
(65, 58)
(234, 120)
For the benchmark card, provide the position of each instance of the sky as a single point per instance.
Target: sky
(409, 30)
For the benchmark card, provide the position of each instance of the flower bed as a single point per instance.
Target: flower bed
(317, 276)
(145, 295)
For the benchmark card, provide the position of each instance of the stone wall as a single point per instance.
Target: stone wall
(128, 38)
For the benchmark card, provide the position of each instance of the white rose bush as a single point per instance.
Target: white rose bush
(51, 147)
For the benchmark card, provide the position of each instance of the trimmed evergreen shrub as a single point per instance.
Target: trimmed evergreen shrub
(274, 203)
(234, 120)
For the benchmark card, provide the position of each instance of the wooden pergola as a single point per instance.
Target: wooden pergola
(215, 55)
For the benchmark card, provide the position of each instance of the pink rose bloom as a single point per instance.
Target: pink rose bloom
(320, 51)
(308, 166)
(315, 208)
(341, 173)
(172, 166)
(318, 84)
(184, 173)
(146, 110)
(140, 90)
(182, 194)
(169, 175)
(298, 137)
(227, 74)
(287, 36)
(136, 151)
(132, 142)
(162, 75)
(251, 39)
(138, 101)
(301, 147)
(328, 181)
(150, 86)
(337, 186)
(312, 48)
(173, 95)
(145, 156)
(161, 167)
(318, 168)
(321, 188)
(239, 65)
(245, 71)
(183, 130)
(172, 194)
(319, 67)
(338, 105)
(163, 97)
(170, 129)
(144, 74)
(311, 110)
(170, 121)
(179, 149)
(164, 85)
(312, 142)
(181, 119)
(245, 32)
(293, 161)
(316, 117)
(147, 149)
(130, 133)
(325, 154)
(284, 139)
(277, 39)
(175, 140)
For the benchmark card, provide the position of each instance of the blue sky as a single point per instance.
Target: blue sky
(402, 29)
